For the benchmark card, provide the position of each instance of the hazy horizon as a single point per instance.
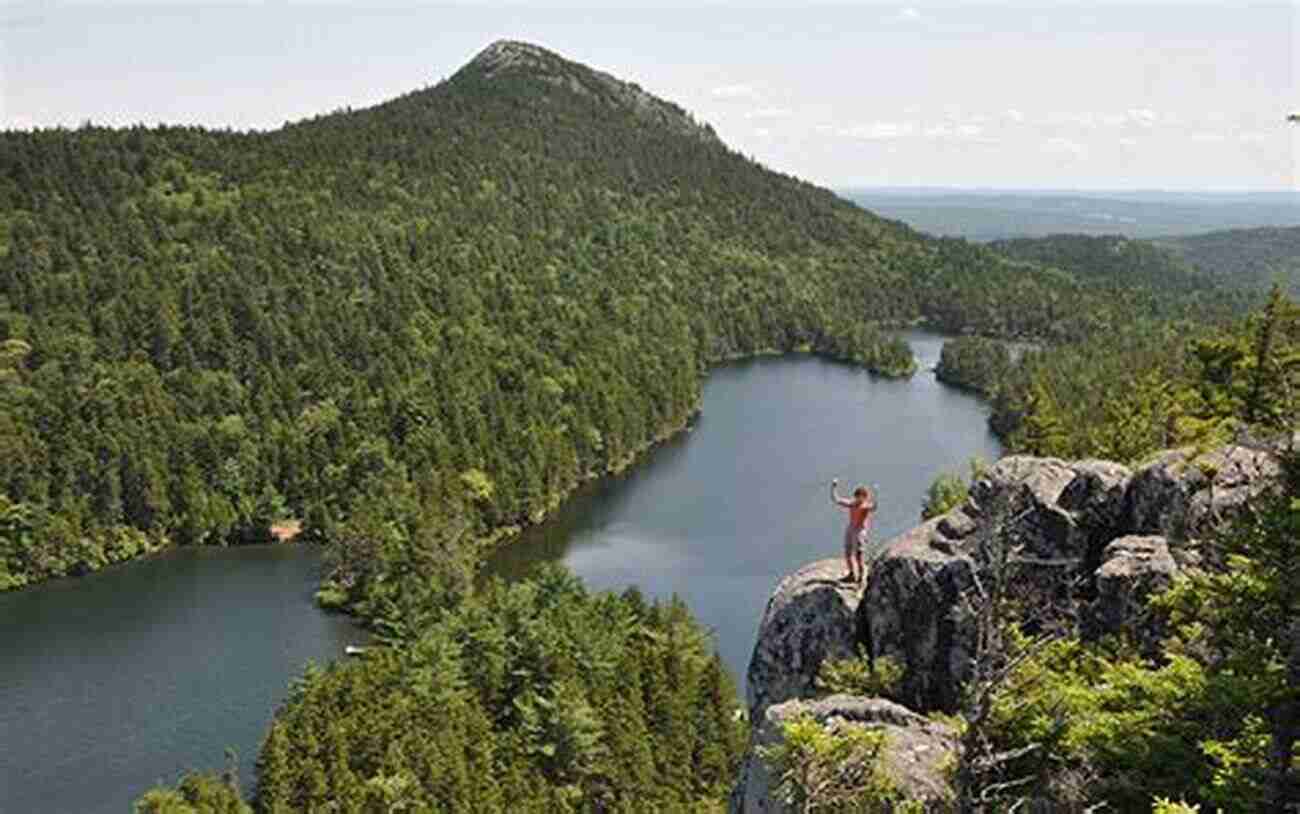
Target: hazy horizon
(1029, 97)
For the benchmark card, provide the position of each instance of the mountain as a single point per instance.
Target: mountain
(448, 309)
(505, 57)
(1244, 258)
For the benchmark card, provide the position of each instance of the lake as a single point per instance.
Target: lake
(128, 677)
(720, 514)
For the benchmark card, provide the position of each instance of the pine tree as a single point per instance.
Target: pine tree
(275, 786)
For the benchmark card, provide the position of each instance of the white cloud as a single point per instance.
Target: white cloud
(955, 131)
(1064, 146)
(1093, 119)
(1084, 119)
(736, 92)
(1014, 115)
(770, 113)
(1142, 117)
(908, 14)
(880, 131)
(762, 132)
(1128, 142)
(1207, 138)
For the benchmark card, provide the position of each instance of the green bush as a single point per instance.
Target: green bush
(946, 492)
(831, 767)
(880, 677)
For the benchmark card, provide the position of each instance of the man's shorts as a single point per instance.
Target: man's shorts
(854, 540)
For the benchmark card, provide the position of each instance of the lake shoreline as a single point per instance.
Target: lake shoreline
(132, 675)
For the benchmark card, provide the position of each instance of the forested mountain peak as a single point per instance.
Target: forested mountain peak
(471, 297)
(505, 55)
(515, 59)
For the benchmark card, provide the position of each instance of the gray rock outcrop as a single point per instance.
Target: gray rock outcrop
(1090, 537)
(915, 752)
(1134, 568)
(1087, 535)
(1057, 516)
(1185, 495)
(511, 56)
(906, 586)
(811, 617)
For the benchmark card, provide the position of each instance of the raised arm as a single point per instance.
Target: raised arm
(835, 495)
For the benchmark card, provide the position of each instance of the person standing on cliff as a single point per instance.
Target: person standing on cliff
(860, 509)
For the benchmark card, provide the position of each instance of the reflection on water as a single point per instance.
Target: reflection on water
(720, 514)
(122, 679)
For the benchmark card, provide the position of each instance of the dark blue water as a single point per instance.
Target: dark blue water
(126, 678)
(719, 515)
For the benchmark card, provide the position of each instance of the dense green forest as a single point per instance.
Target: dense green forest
(1146, 387)
(1111, 260)
(1136, 387)
(974, 362)
(533, 697)
(487, 290)
(1244, 258)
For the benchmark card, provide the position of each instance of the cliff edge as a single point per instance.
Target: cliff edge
(1091, 534)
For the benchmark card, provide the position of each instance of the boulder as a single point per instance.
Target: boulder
(1057, 516)
(1183, 495)
(905, 612)
(1097, 500)
(811, 616)
(1134, 568)
(915, 754)
(1056, 511)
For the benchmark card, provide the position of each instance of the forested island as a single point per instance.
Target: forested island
(415, 327)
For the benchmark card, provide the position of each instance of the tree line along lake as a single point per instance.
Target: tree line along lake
(130, 676)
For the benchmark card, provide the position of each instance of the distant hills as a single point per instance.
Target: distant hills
(1114, 261)
(1237, 261)
(1244, 258)
(998, 215)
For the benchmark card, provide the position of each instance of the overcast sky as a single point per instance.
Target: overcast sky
(1035, 95)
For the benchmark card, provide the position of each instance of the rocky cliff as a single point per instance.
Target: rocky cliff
(505, 57)
(1093, 536)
